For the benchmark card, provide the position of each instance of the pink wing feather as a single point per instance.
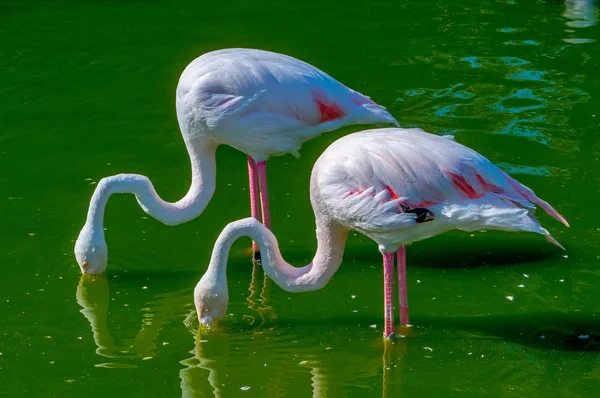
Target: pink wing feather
(364, 176)
(428, 170)
(265, 103)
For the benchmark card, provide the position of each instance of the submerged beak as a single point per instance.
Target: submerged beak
(204, 319)
(208, 323)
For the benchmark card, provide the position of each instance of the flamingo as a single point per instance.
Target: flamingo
(396, 186)
(261, 103)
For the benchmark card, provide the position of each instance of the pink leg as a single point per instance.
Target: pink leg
(253, 177)
(402, 289)
(388, 291)
(264, 193)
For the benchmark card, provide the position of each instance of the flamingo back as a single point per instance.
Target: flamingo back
(367, 180)
(264, 103)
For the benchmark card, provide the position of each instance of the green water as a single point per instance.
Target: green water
(87, 90)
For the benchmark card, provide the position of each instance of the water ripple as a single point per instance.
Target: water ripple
(520, 101)
(530, 75)
(522, 43)
(519, 98)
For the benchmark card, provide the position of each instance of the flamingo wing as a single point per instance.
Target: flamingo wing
(371, 177)
(253, 100)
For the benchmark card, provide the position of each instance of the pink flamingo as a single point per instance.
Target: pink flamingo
(396, 186)
(261, 103)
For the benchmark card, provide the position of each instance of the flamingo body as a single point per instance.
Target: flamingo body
(362, 179)
(265, 104)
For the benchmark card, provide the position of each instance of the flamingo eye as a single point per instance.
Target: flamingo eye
(204, 309)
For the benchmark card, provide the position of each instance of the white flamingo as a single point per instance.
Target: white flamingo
(396, 186)
(261, 103)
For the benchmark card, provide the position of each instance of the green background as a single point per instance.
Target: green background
(87, 90)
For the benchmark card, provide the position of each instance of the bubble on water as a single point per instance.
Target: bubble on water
(511, 298)
(245, 388)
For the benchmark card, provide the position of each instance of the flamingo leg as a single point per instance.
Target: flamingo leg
(264, 193)
(402, 289)
(388, 292)
(254, 211)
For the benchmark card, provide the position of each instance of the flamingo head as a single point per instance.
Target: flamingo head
(211, 300)
(91, 251)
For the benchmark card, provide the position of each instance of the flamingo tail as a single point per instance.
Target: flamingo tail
(528, 194)
(550, 239)
(550, 210)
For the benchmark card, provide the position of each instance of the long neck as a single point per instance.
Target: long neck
(202, 156)
(331, 239)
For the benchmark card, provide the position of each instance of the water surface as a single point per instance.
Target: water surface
(88, 91)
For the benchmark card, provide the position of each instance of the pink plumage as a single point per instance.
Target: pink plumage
(266, 104)
(361, 178)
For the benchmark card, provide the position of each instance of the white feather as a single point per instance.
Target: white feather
(356, 178)
(264, 103)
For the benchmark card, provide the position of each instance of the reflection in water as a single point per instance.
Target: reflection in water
(318, 379)
(93, 296)
(272, 361)
(524, 341)
(207, 371)
(582, 13)
(211, 358)
(260, 305)
(394, 354)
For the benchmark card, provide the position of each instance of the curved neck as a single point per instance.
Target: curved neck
(331, 239)
(201, 150)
